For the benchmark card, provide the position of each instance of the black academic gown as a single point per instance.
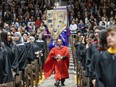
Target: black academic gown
(89, 53)
(36, 49)
(5, 69)
(106, 70)
(20, 60)
(93, 65)
(44, 39)
(80, 52)
(41, 45)
(30, 52)
(78, 46)
(9, 48)
(94, 59)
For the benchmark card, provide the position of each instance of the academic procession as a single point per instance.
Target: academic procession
(57, 43)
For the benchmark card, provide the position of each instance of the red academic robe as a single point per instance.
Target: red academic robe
(60, 67)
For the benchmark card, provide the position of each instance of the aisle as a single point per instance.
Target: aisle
(68, 83)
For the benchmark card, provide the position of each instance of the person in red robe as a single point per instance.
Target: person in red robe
(58, 62)
(38, 22)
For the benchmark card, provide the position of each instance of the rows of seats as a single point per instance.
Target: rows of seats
(28, 78)
(81, 79)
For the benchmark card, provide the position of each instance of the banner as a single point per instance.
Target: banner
(56, 21)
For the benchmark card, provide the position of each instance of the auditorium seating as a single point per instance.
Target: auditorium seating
(19, 80)
(30, 78)
(35, 69)
(82, 80)
(9, 84)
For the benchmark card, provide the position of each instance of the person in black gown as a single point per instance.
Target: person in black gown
(102, 46)
(8, 45)
(5, 69)
(35, 46)
(106, 64)
(41, 45)
(29, 47)
(89, 53)
(80, 51)
(20, 60)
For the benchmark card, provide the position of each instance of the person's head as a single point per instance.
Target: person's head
(33, 34)
(111, 18)
(40, 37)
(9, 38)
(38, 31)
(111, 36)
(17, 19)
(59, 42)
(81, 37)
(5, 25)
(102, 38)
(81, 22)
(95, 20)
(73, 22)
(42, 23)
(103, 19)
(31, 39)
(96, 33)
(6, 37)
(38, 18)
(17, 36)
(25, 36)
(91, 37)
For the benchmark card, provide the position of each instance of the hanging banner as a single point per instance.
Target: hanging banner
(56, 21)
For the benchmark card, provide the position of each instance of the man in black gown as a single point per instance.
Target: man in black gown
(106, 65)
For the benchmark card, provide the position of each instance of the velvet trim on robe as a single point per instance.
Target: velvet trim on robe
(60, 67)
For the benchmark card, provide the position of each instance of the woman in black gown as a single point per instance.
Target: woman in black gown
(102, 46)
(5, 69)
(20, 60)
(8, 45)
